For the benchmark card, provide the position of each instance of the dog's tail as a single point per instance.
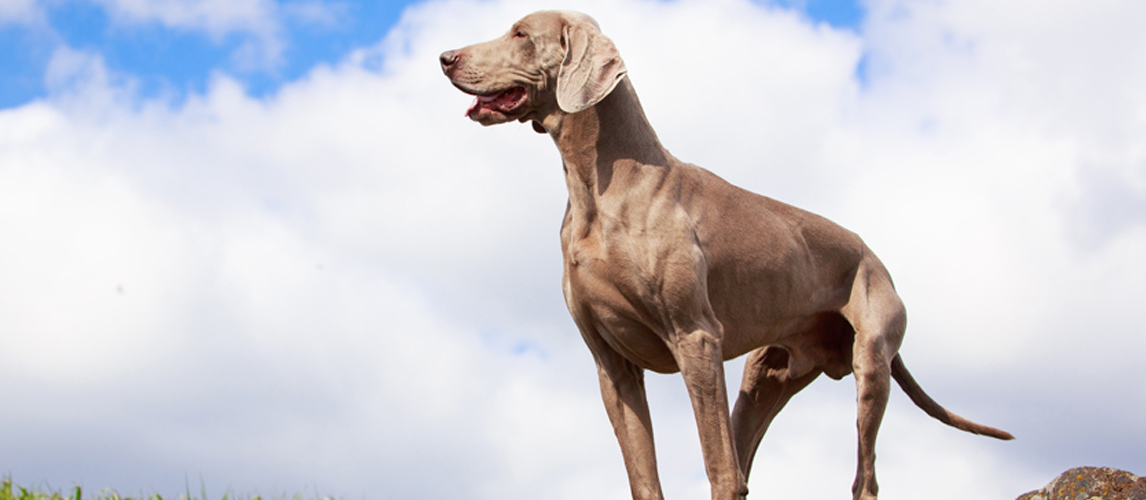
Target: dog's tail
(924, 402)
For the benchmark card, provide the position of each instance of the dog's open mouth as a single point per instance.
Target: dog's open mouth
(497, 107)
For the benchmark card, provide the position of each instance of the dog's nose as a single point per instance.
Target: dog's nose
(448, 59)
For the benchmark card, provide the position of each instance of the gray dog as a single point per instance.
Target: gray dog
(670, 268)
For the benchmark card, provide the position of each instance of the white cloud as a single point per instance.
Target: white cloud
(349, 286)
(218, 17)
(18, 11)
(259, 24)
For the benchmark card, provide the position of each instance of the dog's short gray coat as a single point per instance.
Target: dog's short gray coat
(670, 268)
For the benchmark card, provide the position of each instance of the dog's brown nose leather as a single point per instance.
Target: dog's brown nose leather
(448, 59)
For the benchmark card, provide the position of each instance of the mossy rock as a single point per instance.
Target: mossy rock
(1092, 483)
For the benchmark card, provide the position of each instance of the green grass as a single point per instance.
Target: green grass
(9, 491)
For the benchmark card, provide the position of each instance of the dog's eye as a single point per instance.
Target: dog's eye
(520, 34)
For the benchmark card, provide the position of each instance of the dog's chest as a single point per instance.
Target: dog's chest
(633, 291)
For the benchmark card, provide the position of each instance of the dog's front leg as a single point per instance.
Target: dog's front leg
(698, 354)
(623, 391)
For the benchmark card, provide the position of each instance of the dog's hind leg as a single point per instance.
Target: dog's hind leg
(764, 391)
(879, 319)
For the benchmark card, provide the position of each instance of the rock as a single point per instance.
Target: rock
(1092, 483)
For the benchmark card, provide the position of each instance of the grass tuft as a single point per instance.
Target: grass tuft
(10, 491)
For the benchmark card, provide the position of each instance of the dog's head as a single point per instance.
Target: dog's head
(549, 62)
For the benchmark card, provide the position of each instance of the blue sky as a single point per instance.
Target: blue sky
(175, 61)
(170, 59)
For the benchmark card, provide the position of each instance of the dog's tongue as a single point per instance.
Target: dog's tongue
(502, 102)
(481, 101)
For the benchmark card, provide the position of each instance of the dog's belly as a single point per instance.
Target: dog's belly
(782, 311)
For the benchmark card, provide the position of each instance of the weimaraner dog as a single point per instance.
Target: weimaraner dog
(670, 268)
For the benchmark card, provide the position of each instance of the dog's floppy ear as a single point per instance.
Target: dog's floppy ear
(592, 68)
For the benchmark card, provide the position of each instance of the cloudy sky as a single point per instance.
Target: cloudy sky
(255, 246)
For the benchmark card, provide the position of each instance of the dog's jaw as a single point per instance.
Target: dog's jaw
(499, 107)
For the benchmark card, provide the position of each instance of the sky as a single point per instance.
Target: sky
(171, 48)
(255, 247)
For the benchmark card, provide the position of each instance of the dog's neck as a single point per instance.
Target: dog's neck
(595, 143)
